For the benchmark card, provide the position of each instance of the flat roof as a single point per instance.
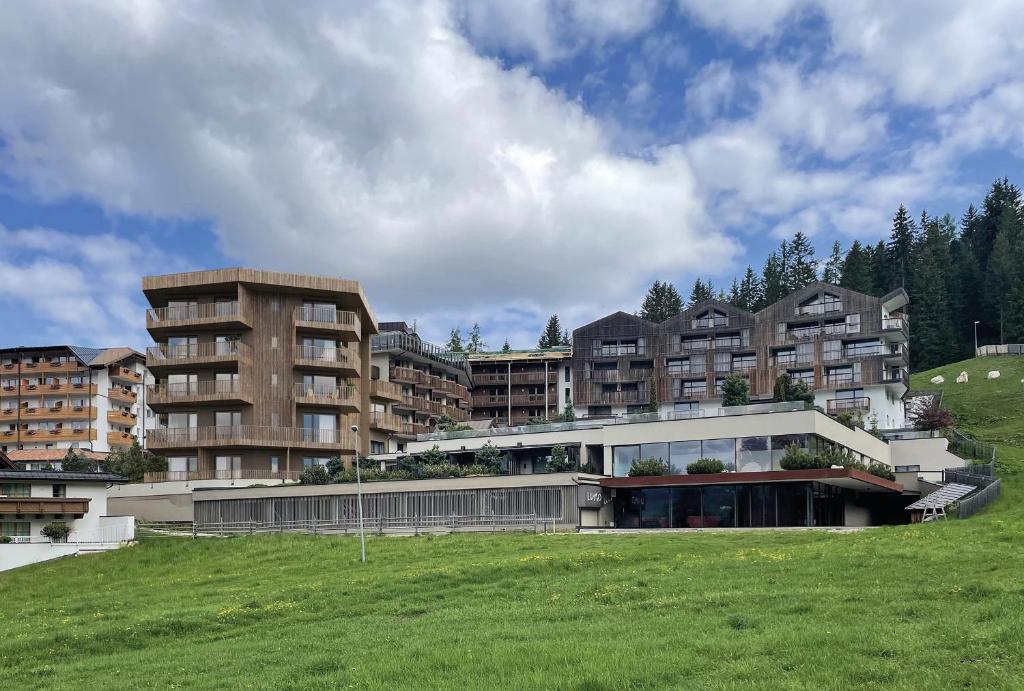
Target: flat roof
(60, 475)
(849, 478)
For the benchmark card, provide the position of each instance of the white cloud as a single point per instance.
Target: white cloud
(82, 288)
(373, 144)
(711, 90)
(552, 30)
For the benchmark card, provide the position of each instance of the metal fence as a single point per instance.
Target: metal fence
(965, 446)
(382, 525)
(981, 476)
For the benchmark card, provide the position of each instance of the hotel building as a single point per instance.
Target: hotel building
(60, 397)
(511, 388)
(413, 384)
(258, 373)
(850, 348)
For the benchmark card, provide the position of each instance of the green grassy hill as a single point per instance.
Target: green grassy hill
(939, 605)
(988, 410)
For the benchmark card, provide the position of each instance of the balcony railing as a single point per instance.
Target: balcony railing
(52, 434)
(615, 375)
(386, 390)
(486, 378)
(317, 394)
(25, 389)
(328, 319)
(238, 474)
(125, 374)
(535, 377)
(841, 380)
(251, 435)
(60, 412)
(532, 399)
(120, 438)
(894, 323)
(119, 393)
(197, 353)
(619, 350)
(690, 346)
(121, 417)
(486, 400)
(819, 308)
(315, 357)
(413, 428)
(709, 322)
(690, 392)
(196, 314)
(839, 405)
(686, 371)
(198, 392)
(609, 397)
(386, 422)
(51, 367)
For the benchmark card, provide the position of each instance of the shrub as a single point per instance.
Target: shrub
(850, 418)
(434, 456)
(488, 456)
(569, 413)
(446, 423)
(703, 466)
(73, 463)
(133, 463)
(798, 459)
(6, 539)
(559, 461)
(735, 391)
(881, 470)
(538, 421)
(835, 455)
(931, 416)
(315, 475)
(56, 531)
(648, 466)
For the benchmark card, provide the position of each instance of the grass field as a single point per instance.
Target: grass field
(926, 606)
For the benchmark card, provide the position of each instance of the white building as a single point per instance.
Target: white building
(61, 397)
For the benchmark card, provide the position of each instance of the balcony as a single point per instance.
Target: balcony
(489, 378)
(39, 506)
(327, 320)
(411, 429)
(239, 474)
(690, 392)
(896, 378)
(344, 397)
(80, 388)
(58, 412)
(551, 377)
(897, 353)
(386, 422)
(612, 397)
(120, 417)
(839, 381)
(125, 375)
(709, 322)
(620, 351)
(252, 436)
(615, 375)
(44, 368)
(428, 407)
(50, 435)
(691, 346)
(197, 316)
(454, 389)
(842, 405)
(819, 308)
(120, 439)
(486, 401)
(405, 375)
(342, 361)
(197, 354)
(122, 395)
(214, 391)
(896, 327)
(532, 399)
(385, 390)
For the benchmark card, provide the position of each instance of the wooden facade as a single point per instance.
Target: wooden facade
(833, 338)
(511, 388)
(250, 345)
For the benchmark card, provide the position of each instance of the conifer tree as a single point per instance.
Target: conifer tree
(802, 267)
(661, 302)
(552, 335)
(832, 271)
(932, 335)
(857, 272)
(455, 341)
(476, 342)
(900, 248)
(773, 284)
(750, 294)
(506, 348)
(881, 270)
(701, 291)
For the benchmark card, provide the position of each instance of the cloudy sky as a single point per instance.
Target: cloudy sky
(477, 161)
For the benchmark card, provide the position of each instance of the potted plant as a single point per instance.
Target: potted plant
(56, 531)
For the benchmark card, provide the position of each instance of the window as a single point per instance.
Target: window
(275, 464)
(907, 469)
(744, 363)
(568, 394)
(853, 323)
(754, 454)
(832, 350)
(568, 374)
(310, 461)
(182, 464)
(229, 467)
(723, 362)
(376, 447)
(273, 379)
(722, 449)
(805, 352)
(685, 406)
(16, 529)
(60, 490)
(599, 410)
(622, 459)
(15, 489)
(681, 454)
(781, 442)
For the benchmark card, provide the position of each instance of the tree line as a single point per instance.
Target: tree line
(956, 272)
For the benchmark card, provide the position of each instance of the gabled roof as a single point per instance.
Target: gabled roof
(5, 462)
(705, 306)
(51, 455)
(90, 357)
(617, 315)
(60, 476)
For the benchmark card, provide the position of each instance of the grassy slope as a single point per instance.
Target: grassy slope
(927, 606)
(989, 410)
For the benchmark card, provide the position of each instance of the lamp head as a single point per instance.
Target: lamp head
(355, 429)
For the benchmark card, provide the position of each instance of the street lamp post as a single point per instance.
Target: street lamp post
(359, 495)
(976, 338)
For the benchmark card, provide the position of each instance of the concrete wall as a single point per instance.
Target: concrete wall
(15, 556)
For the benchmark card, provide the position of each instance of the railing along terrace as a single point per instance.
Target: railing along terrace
(409, 342)
(194, 311)
(380, 524)
(326, 315)
(690, 346)
(897, 322)
(340, 393)
(251, 434)
(187, 351)
(620, 350)
(836, 405)
(686, 371)
(819, 308)
(841, 380)
(692, 392)
(243, 474)
(327, 355)
(709, 322)
(195, 388)
(753, 409)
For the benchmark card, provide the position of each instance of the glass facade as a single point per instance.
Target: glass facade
(761, 505)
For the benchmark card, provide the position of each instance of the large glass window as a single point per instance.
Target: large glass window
(686, 507)
(722, 449)
(754, 455)
(779, 444)
(622, 459)
(15, 528)
(658, 451)
(15, 489)
(682, 453)
(181, 464)
(719, 504)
